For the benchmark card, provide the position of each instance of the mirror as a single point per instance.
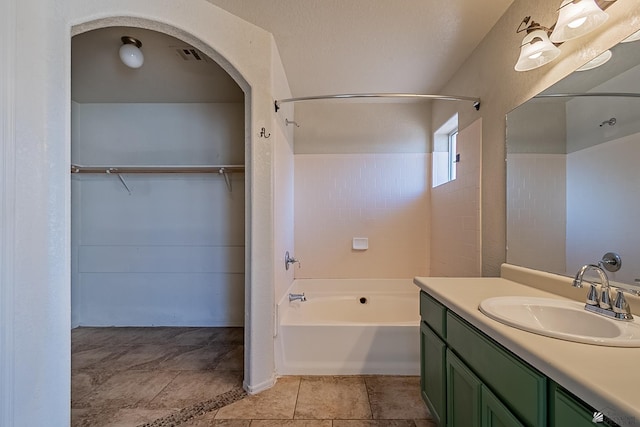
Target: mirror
(573, 172)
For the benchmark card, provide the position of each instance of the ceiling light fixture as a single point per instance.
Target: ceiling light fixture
(130, 53)
(576, 18)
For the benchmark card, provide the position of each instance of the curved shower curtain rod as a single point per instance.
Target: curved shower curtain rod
(592, 94)
(476, 101)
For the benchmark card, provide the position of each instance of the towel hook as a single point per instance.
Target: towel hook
(291, 122)
(263, 133)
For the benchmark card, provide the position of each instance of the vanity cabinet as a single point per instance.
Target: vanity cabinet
(469, 380)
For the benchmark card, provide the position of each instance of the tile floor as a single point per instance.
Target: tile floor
(184, 376)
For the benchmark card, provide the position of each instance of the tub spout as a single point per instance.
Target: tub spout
(297, 297)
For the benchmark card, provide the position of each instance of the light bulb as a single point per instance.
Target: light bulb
(130, 53)
(535, 55)
(578, 22)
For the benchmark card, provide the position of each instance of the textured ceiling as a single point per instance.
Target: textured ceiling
(343, 46)
(326, 46)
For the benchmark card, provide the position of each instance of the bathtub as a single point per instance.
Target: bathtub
(349, 327)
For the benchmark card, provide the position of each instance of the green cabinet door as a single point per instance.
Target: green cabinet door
(565, 410)
(432, 373)
(463, 394)
(494, 413)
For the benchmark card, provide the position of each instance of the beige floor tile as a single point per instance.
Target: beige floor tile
(91, 417)
(186, 358)
(208, 420)
(276, 403)
(135, 417)
(229, 335)
(232, 360)
(128, 389)
(425, 423)
(291, 423)
(92, 357)
(332, 398)
(191, 387)
(396, 398)
(194, 336)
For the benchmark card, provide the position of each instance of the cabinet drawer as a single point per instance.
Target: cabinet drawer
(511, 380)
(434, 313)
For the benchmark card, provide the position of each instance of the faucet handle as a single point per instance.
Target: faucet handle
(592, 297)
(605, 299)
(621, 305)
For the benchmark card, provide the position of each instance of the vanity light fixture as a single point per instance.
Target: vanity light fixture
(130, 53)
(536, 49)
(632, 38)
(576, 18)
(597, 61)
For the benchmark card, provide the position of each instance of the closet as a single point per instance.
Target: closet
(157, 185)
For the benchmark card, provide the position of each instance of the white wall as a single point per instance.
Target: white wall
(455, 212)
(383, 197)
(283, 209)
(488, 74)
(171, 253)
(35, 263)
(536, 215)
(603, 209)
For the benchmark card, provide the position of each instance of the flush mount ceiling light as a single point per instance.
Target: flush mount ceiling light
(577, 18)
(536, 49)
(597, 61)
(130, 53)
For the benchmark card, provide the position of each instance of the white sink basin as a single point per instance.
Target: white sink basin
(563, 319)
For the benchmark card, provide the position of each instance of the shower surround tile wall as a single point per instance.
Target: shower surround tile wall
(455, 212)
(383, 197)
(536, 219)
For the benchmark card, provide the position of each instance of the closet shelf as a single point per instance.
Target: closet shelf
(223, 170)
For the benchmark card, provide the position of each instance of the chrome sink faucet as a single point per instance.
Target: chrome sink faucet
(604, 300)
(601, 304)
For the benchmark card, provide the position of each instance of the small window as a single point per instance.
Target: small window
(445, 155)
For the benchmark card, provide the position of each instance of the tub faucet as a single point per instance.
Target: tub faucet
(297, 297)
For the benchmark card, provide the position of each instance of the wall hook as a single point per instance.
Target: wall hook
(263, 133)
(291, 122)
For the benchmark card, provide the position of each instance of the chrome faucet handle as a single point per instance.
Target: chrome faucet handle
(621, 305)
(592, 297)
(288, 260)
(605, 298)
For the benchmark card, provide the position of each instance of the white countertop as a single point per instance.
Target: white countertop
(607, 378)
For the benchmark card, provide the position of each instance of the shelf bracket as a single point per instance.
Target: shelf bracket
(124, 183)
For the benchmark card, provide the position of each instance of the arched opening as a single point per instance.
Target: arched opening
(156, 248)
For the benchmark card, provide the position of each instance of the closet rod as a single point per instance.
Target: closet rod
(158, 169)
(476, 101)
(588, 94)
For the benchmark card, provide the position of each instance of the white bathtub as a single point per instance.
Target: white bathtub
(349, 327)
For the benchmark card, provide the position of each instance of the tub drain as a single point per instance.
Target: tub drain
(363, 300)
